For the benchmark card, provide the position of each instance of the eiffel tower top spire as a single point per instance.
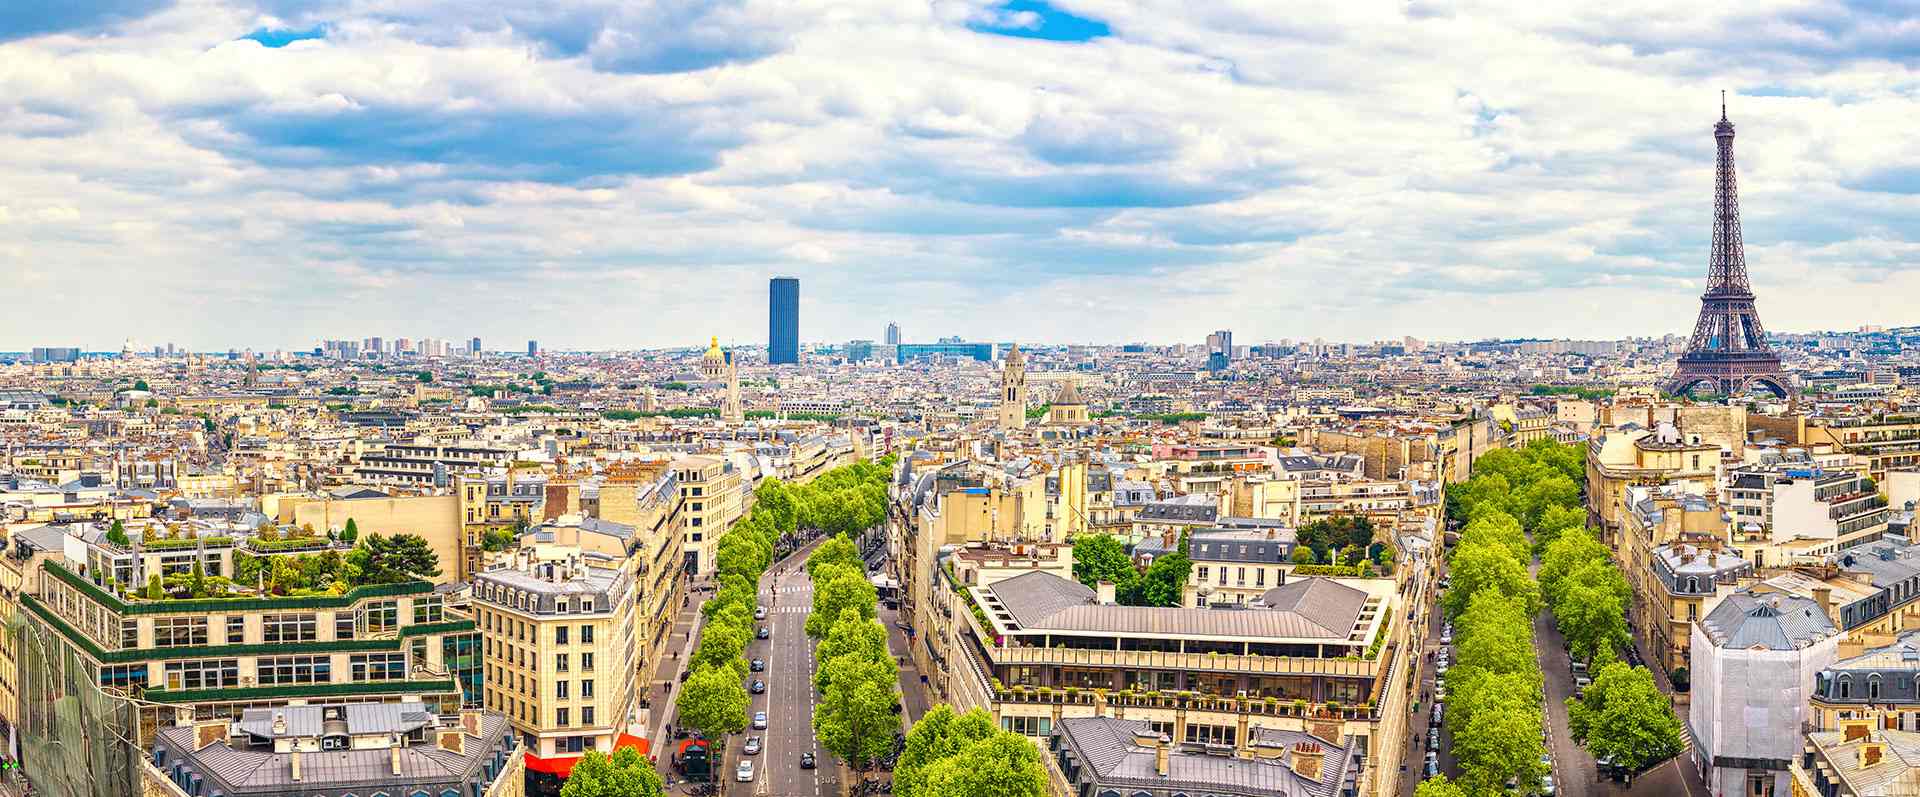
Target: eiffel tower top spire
(1727, 267)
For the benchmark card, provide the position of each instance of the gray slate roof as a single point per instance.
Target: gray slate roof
(1311, 608)
(1772, 621)
(1111, 757)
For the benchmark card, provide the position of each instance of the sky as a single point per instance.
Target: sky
(617, 174)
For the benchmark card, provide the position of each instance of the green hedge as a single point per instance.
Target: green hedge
(1361, 570)
(302, 690)
(210, 605)
(176, 545)
(294, 544)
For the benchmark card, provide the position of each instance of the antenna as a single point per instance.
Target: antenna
(1723, 105)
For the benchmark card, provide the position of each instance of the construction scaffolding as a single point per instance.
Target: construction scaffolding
(76, 740)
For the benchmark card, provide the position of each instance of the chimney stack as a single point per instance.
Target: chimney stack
(1306, 761)
(1105, 591)
(1160, 755)
(1823, 594)
(295, 763)
(279, 723)
(393, 756)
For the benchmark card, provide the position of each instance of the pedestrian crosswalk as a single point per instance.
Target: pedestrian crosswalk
(790, 610)
(794, 590)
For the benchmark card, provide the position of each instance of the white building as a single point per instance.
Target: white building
(1755, 658)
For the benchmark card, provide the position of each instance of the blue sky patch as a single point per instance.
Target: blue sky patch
(1036, 19)
(284, 37)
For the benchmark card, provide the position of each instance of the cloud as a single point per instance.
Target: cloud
(23, 19)
(1087, 170)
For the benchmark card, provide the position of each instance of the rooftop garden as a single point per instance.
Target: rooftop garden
(375, 561)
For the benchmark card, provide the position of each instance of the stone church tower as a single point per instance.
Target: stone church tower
(1013, 391)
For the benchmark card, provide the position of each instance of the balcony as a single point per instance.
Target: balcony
(1191, 701)
(1192, 662)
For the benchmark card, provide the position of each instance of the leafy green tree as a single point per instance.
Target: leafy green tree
(843, 588)
(624, 774)
(1002, 765)
(382, 559)
(837, 550)
(722, 644)
(1624, 716)
(939, 735)
(1592, 612)
(351, 533)
(856, 716)
(1494, 634)
(1102, 557)
(851, 636)
(1436, 786)
(1499, 740)
(117, 534)
(1165, 580)
(714, 702)
(1483, 491)
(1303, 555)
(1573, 549)
(774, 497)
(1483, 566)
(154, 591)
(1536, 498)
(1499, 528)
(496, 540)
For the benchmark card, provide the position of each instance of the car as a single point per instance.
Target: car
(759, 687)
(806, 761)
(1546, 784)
(753, 746)
(758, 665)
(1433, 739)
(745, 773)
(1440, 691)
(1439, 713)
(1433, 764)
(764, 633)
(1446, 637)
(759, 720)
(759, 612)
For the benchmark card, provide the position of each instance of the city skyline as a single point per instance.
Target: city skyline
(1073, 171)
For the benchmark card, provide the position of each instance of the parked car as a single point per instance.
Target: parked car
(758, 665)
(759, 687)
(745, 773)
(1433, 764)
(1433, 739)
(1546, 784)
(759, 720)
(806, 761)
(753, 746)
(764, 633)
(759, 612)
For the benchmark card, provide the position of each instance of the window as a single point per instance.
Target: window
(130, 634)
(1259, 576)
(560, 689)
(586, 715)
(179, 632)
(560, 717)
(236, 629)
(1873, 687)
(586, 688)
(124, 675)
(204, 674)
(379, 666)
(1203, 573)
(560, 635)
(1845, 685)
(288, 628)
(430, 609)
(343, 626)
(586, 635)
(379, 616)
(576, 744)
(295, 670)
(586, 662)
(560, 662)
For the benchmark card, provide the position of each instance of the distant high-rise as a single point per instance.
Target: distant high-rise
(893, 334)
(473, 346)
(533, 348)
(783, 321)
(1221, 342)
(55, 354)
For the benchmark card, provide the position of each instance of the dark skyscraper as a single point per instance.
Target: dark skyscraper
(783, 320)
(473, 346)
(533, 348)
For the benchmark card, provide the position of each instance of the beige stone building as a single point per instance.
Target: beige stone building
(715, 495)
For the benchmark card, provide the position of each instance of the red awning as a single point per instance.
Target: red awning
(562, 766)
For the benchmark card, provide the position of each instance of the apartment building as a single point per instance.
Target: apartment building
(715, 495)
(1635, 456)
(1314, 656)
(428, 465)
(1790, 512)
(216, 657)
(1203, 468)
(1857, 760)
(1887, 441)
(559, 639)
(1755, 660)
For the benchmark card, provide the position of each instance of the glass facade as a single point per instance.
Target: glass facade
(783, 321)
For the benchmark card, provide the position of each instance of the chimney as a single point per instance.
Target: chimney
(279, 724)
(1870, 754)
(295, 762)
(1823, 595)
(1305, 761)
(1160, 756)
(1269, 534)
(1105, 592)
(393, 756)
(1851, 730)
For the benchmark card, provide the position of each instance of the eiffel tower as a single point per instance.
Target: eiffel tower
(1728, 351)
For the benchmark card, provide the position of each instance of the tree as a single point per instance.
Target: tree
(624, 774)
(1481, 566)
(117, 534)
(1436, 786)
(1165, 580)
(1102, 557)
(386, 560)
(855, 718)
(351, 533)
(714, 702)
(1497, 527)
(1573, 549)
(837, 550)
(773, 497)
(1592, 611)
(723, 643)
(1002, 765)
(1303, 555)
(141, 385)
(844, 588)
(1494, 635)
(851, 636)
(1500, 739)
(939, 735)
(1625, 717)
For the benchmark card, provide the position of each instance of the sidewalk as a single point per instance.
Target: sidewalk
(913, 694)
(664, 689)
